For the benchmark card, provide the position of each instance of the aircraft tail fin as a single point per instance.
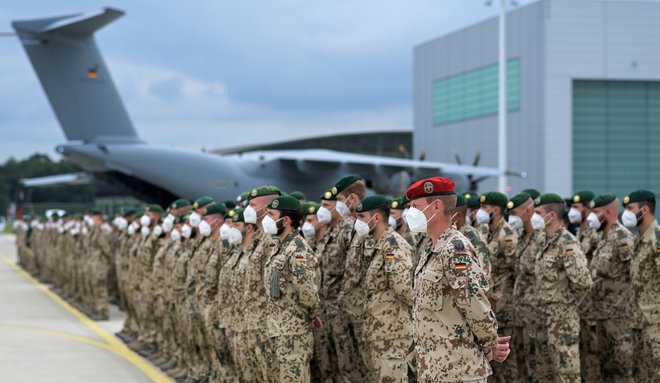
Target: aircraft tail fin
(74, 76)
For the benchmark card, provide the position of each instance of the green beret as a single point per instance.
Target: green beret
(243, 197)
(494, 198)
(202, 201)
(216, 208)
(264, 190)
(602, 200)
(343, 183)
(549, 198)
(583, 196)
(310, 207)
(398, 203)
(139, 212)
(230, 204)
(518, 200)
(460, 200)
(472, 199)
(533, 193)
(639, 196)
(329, 196)
(155, 208)
(181, 202)
(373, 203)
(182, 218)
(95, 212)
(285, 202)
(297, 195)
(236, 215)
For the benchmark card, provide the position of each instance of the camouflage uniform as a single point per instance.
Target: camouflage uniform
(611, 298)
(293, 301)
(332, 251)
(589, 360)
(217, 306)
(479, 243)
(562, 280)
(502, 243)
(256, 303)
(526, 313)
(387, 317)
(454, 327)
(645, 270)
(245, 364)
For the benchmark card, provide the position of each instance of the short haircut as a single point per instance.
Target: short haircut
(649, 204)
(448, 201)
(296, 216)
(383, 211)
(356, 188)
(557, 208)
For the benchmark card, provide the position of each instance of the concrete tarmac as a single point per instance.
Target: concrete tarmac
(44, 339)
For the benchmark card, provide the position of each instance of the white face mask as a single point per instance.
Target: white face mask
(324, 215)
(186, 231)
(574, 216)
(342, 209)
(468, 220)
(250, 215)
(131, 230)
(168, 225)
(362, 228)
(405, 214)
(483, 217)
(195, 219)
(392, 222)
(308, 230)
(270, 225)
(204, 228)
(630, 219)
(144, 231)
(145, 220)
(158, 231)
(106, 227)
(417, 221)
(235, 237)
(538, 223)
(224, 231)
(121, 223)
(170, 218)
(175, 235)
(593, 220)
(515, 222)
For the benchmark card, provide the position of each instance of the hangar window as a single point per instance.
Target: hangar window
(474, 94)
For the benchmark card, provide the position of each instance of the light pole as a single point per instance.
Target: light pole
(502, 103)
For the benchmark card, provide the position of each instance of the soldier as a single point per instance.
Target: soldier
(311, 229)
(242, 236)
(502, 242)
(300, 196)
(388, 286)
(454, 328)
(645, 268)
(473, 205)
(290, 283)
(588, 238)
(398, 223)
(526, 316)
(612, 294)
(100, 258)
(562, 279)
(255, 299)
(348, 333)
(475, 237)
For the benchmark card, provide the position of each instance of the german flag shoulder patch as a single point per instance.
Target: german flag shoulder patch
(389, 257)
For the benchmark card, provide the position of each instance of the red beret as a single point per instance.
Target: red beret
(430, 187)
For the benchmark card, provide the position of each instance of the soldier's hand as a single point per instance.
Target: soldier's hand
(317, 322)
(493, 299)
(500, 352)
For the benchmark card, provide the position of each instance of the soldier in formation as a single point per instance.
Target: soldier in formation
(431, 286)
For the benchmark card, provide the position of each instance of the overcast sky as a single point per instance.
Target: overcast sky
(218, 73)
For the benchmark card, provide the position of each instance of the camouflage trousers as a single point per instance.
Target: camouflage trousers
(246, 367)
(324, 360)
(388, 360)
(615, 349)
(524, 340)
(557, 342)
(349, 361)
(259, 348)
(651, 352)
(505, 372)
(292, 356)
(589, 352)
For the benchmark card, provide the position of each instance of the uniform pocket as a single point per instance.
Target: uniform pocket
(430, 292)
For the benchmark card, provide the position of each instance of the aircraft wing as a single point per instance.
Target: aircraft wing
(313, 160)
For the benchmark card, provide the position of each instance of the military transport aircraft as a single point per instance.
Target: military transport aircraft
(102, 139)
